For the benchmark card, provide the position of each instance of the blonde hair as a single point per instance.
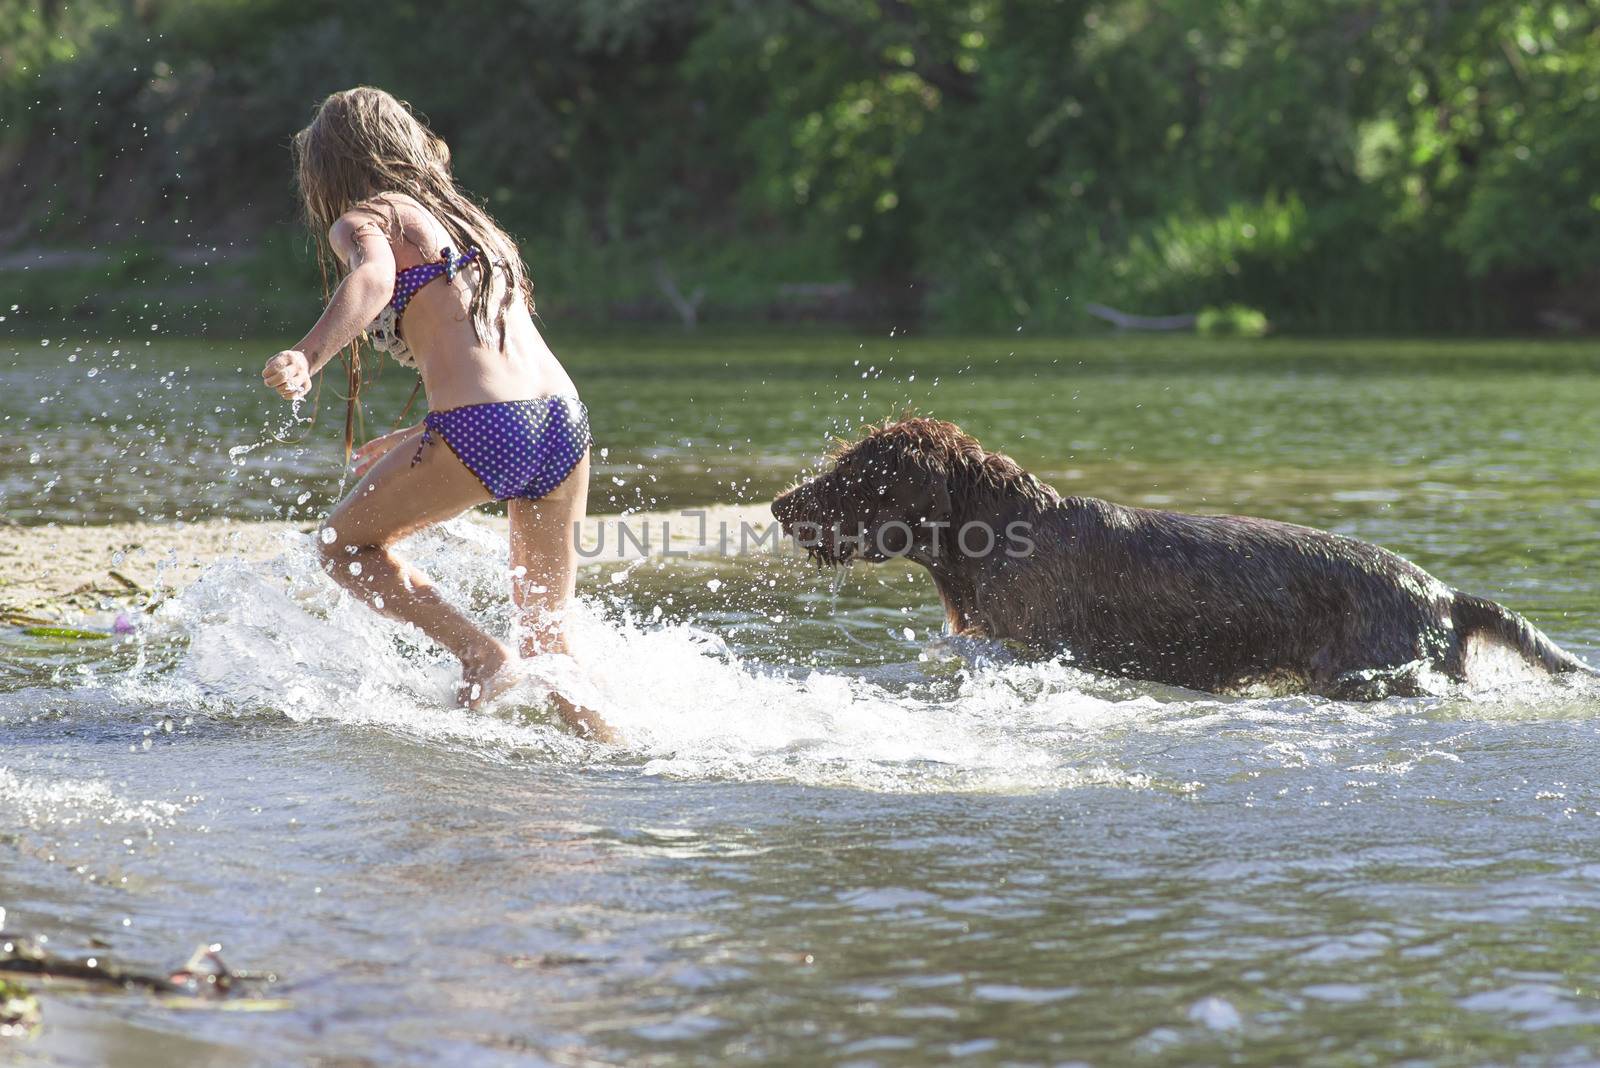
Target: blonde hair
(363, 143)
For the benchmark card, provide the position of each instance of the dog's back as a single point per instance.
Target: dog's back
(1222, 602)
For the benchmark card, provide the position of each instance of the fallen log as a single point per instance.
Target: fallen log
(1126, 321)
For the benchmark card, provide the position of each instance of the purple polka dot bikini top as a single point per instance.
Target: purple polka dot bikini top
(384, 333)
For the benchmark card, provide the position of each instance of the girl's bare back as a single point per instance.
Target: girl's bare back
(457, 367)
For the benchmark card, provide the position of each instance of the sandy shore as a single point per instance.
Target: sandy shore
(59, 573)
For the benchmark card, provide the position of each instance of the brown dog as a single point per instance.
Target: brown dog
(1216, 603)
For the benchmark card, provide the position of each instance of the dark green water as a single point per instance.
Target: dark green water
(819, 845)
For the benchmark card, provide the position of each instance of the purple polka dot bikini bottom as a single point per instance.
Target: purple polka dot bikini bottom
(523, 448)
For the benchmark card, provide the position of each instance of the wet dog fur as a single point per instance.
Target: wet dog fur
(1224, 604)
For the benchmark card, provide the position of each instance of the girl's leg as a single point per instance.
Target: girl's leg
(544, 560)
(394, 500)
(544, 573)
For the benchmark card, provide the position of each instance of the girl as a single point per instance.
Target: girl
(430, 279)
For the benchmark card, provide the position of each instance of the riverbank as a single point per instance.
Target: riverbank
(270, 285)
(60, 574)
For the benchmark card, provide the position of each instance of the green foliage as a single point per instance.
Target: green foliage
(1235, 320)
(1397, 164)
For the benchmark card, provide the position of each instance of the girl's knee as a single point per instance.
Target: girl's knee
(330, 548)
(337, 554)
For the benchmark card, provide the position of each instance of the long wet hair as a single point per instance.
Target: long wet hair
(363, 143)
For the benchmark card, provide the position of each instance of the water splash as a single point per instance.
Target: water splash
(64, 802)
(278, 639)
(237, 453)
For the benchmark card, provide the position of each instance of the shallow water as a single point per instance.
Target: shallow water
(826, 840)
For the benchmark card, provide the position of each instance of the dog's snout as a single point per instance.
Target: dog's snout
(789, 507)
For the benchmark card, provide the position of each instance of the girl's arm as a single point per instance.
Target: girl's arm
(359, 241)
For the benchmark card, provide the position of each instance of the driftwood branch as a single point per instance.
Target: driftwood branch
(1124, 321)
(688, 308)
(204, 973)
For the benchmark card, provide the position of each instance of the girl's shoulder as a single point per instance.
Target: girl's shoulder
(398, 216)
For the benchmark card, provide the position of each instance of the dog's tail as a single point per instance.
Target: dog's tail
(1480, 616)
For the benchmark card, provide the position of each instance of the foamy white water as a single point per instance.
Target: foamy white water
(279, 638)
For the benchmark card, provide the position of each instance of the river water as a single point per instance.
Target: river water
(826, 840)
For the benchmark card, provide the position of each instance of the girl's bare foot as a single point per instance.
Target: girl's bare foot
(493, 671)
(484, 675)
(585, 723)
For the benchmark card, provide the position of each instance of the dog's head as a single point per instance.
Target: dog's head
(899, 491)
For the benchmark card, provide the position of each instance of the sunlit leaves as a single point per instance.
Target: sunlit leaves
(1011, 158)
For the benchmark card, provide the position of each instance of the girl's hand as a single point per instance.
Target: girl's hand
(364, 457)
(289, 372)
